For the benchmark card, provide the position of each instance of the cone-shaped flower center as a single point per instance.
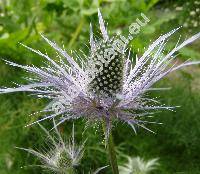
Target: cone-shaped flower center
(64, 160)
(107, 68)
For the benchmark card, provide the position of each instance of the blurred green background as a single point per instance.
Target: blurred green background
(177, 142)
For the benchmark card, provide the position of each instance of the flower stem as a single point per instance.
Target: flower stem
(112, 155)
(111, 152)
(76, 33)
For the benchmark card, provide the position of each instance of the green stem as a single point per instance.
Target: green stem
(111, 153)
(76, 33)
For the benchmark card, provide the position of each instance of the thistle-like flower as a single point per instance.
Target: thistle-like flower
(63, 157)
(137, 165)
(104, 86)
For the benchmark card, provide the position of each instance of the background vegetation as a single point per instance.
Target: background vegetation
(177, 142)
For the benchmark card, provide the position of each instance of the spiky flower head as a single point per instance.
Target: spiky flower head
(106, 85)
(62, 156)
(137, 165)
(105, 65)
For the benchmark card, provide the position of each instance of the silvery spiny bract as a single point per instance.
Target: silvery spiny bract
(107, 86)
(137, 165)
(63, 156)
